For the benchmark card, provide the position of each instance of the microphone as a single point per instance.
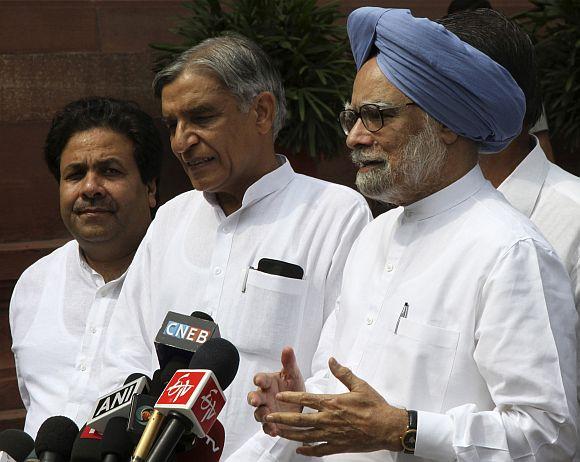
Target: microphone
(182, 335)
(15, 445)
(116, 445)
(55, 439)
(155, 418)
(118, 402)
(206, 449)
(87, 446)
(193, 398)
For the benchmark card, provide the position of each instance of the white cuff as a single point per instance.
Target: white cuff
(434, 436)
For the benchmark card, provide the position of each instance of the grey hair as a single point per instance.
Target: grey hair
(242, 66)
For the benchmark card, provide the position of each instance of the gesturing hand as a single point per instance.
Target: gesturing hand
(357, 421)
(270, 384)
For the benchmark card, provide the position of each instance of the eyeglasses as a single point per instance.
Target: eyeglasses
(372, 116)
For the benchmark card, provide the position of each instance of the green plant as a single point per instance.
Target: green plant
(308, 44)
(555, 27)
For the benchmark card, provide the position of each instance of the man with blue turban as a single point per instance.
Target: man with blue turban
(454, 335)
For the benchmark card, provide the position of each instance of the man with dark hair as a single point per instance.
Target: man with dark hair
(223, 103)
(466, 5)
(456, 321)
(106, 157)
(535, 122)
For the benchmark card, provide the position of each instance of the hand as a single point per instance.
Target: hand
(270, 384)
(358, 421)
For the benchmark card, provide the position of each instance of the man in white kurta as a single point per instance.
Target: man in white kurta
(106, 157)
(481, 378)
(59, 314)
(454, 337)
(202, 255)
(542, 191)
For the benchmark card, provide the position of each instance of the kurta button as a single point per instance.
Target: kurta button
(369, 320)
(226, 230)
(83, 367)
(389, 267)
(93, 330)
(217, 271)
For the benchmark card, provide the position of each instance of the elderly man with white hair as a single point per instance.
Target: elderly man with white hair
(454, 335)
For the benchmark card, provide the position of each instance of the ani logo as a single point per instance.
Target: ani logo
(208, 405)
(179, 388)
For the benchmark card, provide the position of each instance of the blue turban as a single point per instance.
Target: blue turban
(453, 82)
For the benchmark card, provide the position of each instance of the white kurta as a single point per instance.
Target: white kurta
(59, 314)
(486, 352)
(195, 258)
(550, 197)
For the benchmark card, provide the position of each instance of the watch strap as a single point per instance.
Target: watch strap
(409, 438)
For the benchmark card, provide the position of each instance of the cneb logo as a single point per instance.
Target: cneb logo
(185, 332)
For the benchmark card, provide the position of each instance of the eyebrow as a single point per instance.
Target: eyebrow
(194, 111)
(382, 104)
(107, 161)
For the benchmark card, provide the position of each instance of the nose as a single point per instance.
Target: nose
(92, 186)
(183, 139)
(359, 136)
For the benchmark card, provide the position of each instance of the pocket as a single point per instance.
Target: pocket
(271, 313)
(415, 364)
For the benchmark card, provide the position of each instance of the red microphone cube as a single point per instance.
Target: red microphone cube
(195, 394)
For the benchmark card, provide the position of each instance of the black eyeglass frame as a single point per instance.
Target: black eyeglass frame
(358, 115)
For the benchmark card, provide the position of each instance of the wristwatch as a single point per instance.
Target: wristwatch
(409, 438)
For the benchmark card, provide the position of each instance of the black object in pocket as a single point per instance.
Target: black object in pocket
(280, 268)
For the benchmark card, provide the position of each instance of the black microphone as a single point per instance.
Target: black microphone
(116, 445)
(87, 446)
(181, 335)
(193, 398)
(55, 439)
(15, 444)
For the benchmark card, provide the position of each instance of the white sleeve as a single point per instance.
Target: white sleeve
(525, 349)
(18, 323)
(128, 347)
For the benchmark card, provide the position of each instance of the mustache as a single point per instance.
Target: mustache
(360, 155)
(97, 205)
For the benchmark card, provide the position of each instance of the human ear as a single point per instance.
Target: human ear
(152, 193)
(265, 109)
(447, 136)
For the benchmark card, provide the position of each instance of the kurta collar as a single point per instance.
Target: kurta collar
(448, 197)
(524, 184)
(269, 183)
(89, 273)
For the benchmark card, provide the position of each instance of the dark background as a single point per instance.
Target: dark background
(52, 52)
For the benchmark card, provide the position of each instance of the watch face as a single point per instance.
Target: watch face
(409, 440)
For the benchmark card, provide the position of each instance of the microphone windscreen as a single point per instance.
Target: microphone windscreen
(161, 377)
(221, 357)
(156, 384)
(172, 366)
(116, 439)
(16, 443)
(138, 375)
(202, 315)
(56, 434)
(87, 447)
